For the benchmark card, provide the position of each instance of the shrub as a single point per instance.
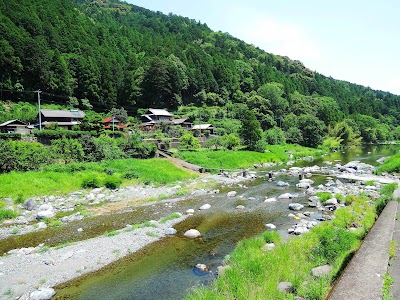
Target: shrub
(111, 233)
(90, 182)
(274, 136)
(189, 142)
(323, 196)
(112, 182)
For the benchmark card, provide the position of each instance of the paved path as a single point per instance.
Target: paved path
(394, 264)
(362, 278)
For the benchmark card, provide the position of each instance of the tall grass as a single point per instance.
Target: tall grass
(390, 165)
(244, 159)
(62, 179)
(255, 274)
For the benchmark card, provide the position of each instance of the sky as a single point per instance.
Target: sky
(353, 40)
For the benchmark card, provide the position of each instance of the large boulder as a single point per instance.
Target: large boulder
(192, 233)
(296, 206)
(321, 271)
(30, 204)
(45, 214)
(42, 294)
(270, 200)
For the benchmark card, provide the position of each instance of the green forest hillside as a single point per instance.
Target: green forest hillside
(114, 54)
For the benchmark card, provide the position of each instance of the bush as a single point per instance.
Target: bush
(189, 142)
(274, 136)
(271, 237)
(112, 182)
(90, 182)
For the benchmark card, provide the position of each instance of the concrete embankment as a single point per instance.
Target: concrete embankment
(362, 279)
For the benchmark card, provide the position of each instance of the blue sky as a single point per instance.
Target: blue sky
(353, 40)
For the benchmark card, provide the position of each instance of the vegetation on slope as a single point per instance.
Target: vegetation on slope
(111, 54)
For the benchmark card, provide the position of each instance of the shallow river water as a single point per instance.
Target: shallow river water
(166, 269)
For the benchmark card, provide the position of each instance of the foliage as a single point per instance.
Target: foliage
(274, 136)
(90, 182)
(188, 142)
(390, 165)
(251, 130)
(112, 182)
(23, 156)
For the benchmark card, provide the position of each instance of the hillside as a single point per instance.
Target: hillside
(119, 55)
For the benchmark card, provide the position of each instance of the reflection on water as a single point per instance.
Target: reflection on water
(165, 269)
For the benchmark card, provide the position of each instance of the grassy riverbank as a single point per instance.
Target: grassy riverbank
(391, 165)
(62, 179)
(255, 274)
(231, 160)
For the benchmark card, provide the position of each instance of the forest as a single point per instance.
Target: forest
(104, 54)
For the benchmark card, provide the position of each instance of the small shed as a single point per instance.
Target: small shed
(15, 126)
(204, 127)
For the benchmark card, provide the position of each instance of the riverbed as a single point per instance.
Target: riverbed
(165, 268)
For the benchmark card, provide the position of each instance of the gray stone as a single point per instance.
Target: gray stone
(270, 226)
(282, 184)
(268, 247)
(231, 194)
(285, 287)
(30, 204)
(41, 225)
(268, 200)
(300, 230)
(21, 220)
(332, 201)
(170, 231)
(285, 196)
(202, 267)
(321, 271)
(42, 294)
(192, 233)
(240, 207)
(296, 206)
(205, 207)
(45, 207)
(45, 214)
(190, 211)
(80, 229)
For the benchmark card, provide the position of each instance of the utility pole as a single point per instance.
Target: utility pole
(40, 114)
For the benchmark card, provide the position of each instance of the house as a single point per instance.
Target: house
(153, 117)
(15, 126)
(203, 127)
(109, 122)
(63, 118)
(185, 123)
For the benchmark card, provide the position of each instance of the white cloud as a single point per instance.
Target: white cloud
(279, 38)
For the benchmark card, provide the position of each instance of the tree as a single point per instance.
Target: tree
(120, 114)
(251, 131)
(313, 130)
(189, 142)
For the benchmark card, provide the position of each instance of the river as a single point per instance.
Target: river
(166, 269)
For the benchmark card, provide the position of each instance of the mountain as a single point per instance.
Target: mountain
(119, 55)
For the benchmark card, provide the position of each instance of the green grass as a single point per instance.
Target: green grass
(111, 233)
(323, 196)
(151, 234)
(170, 217)
(143, 225)
(62, 179)
(392, 249)
(7, 214)
(255, 274)
(390, 165)
(387, 285)
(232, 160)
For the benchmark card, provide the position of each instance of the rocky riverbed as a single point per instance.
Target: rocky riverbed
(29, 273)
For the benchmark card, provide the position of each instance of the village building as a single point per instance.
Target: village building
(112, 121)
(154, 117)
(185, 123)
(65, 119)
(203, 127)
(15, 126)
